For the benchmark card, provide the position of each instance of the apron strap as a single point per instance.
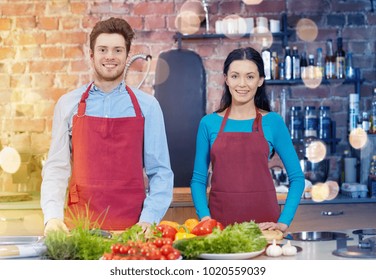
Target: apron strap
(256, 127)
(82, 105)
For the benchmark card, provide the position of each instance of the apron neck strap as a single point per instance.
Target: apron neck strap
(82, 105)
(256, 124)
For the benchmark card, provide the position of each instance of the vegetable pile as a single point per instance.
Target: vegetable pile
(236, 238)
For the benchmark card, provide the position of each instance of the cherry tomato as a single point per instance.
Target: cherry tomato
(158, 242)
(166, 249)
(115, 248)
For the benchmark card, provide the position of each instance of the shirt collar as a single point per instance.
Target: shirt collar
(95, 90)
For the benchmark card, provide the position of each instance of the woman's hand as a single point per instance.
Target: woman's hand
(205, 218)
(273, 226)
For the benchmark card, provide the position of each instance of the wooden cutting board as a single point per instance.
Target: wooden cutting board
(14, 196)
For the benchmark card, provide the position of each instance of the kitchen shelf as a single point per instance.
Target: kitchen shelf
(283, 35)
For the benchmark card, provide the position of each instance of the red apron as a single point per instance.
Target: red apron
(107, 184)
(242, 188)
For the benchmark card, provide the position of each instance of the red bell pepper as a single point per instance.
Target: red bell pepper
(167, 231)
(206, 227)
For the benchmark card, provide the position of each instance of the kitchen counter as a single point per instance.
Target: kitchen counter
(316, 250)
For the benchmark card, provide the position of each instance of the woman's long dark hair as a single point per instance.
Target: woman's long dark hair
(261, 99)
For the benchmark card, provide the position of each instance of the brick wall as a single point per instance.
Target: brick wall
(44, 54)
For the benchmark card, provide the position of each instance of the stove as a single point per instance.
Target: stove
(366, 248)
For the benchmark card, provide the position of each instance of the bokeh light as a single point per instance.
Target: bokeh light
(333, 189)
(10, 160)
(252, 2)
(234, 27)
(358, 138)
(306, 30)
(316, 151)
(163, 71)
(312, 76)
(194, 6)
(320, 192)
(187, 22)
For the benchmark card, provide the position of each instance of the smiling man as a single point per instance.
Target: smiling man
(105, 135)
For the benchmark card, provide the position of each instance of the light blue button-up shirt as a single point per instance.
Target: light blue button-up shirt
(57, 169)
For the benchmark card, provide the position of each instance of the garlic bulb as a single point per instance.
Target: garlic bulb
(289, 250)
(274, 250)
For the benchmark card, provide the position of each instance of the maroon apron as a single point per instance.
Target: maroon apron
(242, 188)
(107, 184)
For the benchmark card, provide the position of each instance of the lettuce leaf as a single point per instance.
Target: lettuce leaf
(237, 238)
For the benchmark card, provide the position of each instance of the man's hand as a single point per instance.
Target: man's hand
(55, 225)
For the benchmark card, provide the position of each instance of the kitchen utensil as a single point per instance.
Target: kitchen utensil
(315, 235)
(22, 247)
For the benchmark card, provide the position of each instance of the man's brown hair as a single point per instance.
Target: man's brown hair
(111, 26)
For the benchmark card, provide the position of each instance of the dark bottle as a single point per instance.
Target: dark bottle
(295, 63)
(330, 61)
(288, 63)
(275, 66)
(340, 59)
(296, 123)
(303, 65)
(325, 123)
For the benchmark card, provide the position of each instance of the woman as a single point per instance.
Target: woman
(238, 140)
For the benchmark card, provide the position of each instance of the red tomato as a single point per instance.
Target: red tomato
(166, 249)
(171, 256)
(167, 241)
(115, 248)
(158, 242)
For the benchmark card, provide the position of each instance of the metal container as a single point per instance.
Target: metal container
(316, 236)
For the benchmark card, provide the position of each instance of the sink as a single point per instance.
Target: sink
(316, 236)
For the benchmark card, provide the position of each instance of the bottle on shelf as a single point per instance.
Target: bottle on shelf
(372, 177)
(295, 63)
(296, 123)
(303, 65)
(353, 111)
(288, 63)
(275, 66)
(281, 66)
(373, 113)
(340, 59)
(350, 71)
(346, 154)
(266, 57)
(310, 121)
(319, 64)
(311, 67)
(324, 123)
(365, 121)
(330, 61)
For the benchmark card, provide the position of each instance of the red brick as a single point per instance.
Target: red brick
(154, 22)
(73, 52)
(43, 80)
(30, 39)
(148, 8)
(24, 125)
(47, 66)
(52, 52)
(26, 22)
(7, 53)
(5, 23)
(57, 8)
(79, 66)
(70, 23)
(100, 8)
(20, 81)
(15, 9)
(48, 23)
(68, 37)
(78, 8)
(68, 81)
(19, 67)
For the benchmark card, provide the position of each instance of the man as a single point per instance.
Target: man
(104, 136)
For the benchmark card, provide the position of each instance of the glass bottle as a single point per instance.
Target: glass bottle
(275, 66)
(330, 60)
(353, 111)
(288, 63)
(296, 123)
(340, 59)
(372, 177)
(365, 122)
(319, 64)
(310, 121)
(295, 63)
(350, 71)
(303, 65)
(324, 123)
(373, 113)
(266, 57)
(311, 67)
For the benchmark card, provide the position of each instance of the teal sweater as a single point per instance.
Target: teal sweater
(278, 138)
